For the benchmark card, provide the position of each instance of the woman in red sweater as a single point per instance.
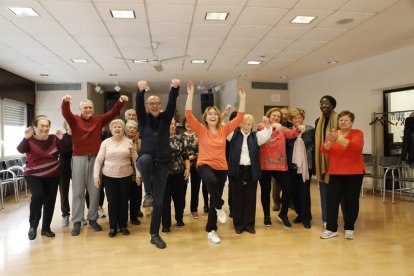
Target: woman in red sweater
(211, 162)
(42, 172)
(346, 172)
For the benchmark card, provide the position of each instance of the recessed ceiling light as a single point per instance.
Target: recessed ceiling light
(254, 62)
(303, 19)
(198, 61)
(140, 60)
(113, 75)
(23, 11)
(220, 16)
(79, 60)
(344, 21)
(283, 77)
(119, 14)
(44, 75)
(242, 76)
(332, 62)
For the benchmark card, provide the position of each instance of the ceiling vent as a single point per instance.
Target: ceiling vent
(58, 86)
(270, 85)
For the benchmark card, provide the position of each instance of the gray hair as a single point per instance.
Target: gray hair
(85, 102)
(131, 123)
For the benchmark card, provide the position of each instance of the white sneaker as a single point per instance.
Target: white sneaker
(349, 234)
(65, 221)
(328, 234)
(221, 215)
(212, 237)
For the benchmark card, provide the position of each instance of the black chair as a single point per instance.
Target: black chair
(405, 176)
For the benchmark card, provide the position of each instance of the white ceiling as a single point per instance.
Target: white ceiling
(254, 29)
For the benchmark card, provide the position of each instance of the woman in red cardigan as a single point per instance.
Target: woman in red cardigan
(346, 172)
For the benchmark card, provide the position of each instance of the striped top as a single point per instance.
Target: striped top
(42, 156)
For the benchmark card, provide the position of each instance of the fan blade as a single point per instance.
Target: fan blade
(131, 59)
(171, 58)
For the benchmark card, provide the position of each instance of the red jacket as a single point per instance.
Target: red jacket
(347, 160)
(86, 134)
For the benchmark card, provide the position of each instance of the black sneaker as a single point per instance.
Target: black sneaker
(140, 214)
(157, 240)
(206, 209)
(135, 222)
(48, 233)
(95, 226)
(147, 201)
(267, 221)
(180, 224)
(165, 231)
(76, 229)
(32, 233)
(298, 219)
(284, 220)
(124, 231)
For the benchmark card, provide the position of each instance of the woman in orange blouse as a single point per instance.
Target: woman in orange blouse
(211, 162)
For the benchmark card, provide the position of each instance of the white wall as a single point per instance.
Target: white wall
(49, 103)
(356, 86)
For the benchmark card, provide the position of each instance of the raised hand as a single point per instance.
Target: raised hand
(241, 92)
(143, 85)
(123, 99)
(228, 109)
(59, 134)
(175, 83)
(266, 122)
(28, 132)
(190, 87)
(67, 98)
(277, 126)
(301, 128)
(331, 136)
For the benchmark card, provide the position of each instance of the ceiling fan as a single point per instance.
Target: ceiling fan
(155, 62)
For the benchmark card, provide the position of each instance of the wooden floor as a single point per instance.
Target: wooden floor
(384, 245)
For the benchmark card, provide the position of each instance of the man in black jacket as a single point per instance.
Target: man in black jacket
(155, 155)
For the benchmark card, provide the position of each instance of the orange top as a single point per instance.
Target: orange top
(212, 147)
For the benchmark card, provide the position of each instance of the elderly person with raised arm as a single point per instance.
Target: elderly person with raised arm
(86, 138)
(211, 162)
(155, 155)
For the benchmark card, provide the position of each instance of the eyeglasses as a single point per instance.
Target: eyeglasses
(154, 104)
(344, 121)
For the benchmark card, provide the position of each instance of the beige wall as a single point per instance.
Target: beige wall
(357, 87)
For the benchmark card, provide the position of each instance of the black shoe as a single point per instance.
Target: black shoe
(32, 233)
(165, 231)
(298, 219)
(267, 221)
(284, 220)
(124, 231)
(239, 231)
(157, 240)
(112, 233)
(140, 214)
(135, 222)
(148, 199)
(76, 229)
(307, 225)
(250, 230)
(276, 207)
(206, 209)
(95, 226)
(47, 233)
(180, 224)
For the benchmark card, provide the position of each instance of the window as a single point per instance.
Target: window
(13, 124)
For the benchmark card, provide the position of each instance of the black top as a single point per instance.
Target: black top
(407, 152)
(155, 131)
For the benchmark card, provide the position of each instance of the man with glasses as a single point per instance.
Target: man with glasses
(155, 155)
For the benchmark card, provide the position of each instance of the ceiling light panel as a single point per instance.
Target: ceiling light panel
(254, 62)
(23, 11)
(216, 16)
(77, 60)
(123, 14)
(140, 61)
(198, 61)
(302, 19)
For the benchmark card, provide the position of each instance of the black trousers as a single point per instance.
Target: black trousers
(175, 189)
(195, 190)
(117, 192)
(64, 184)
(346, 188)
(243, 199)
(214, 181)
(282, 177)
(135, 200)
(301, 195)
(44, 192)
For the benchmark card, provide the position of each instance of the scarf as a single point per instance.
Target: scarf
(299, 158)
(321, 160)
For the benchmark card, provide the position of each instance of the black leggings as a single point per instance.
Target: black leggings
(282, 177)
